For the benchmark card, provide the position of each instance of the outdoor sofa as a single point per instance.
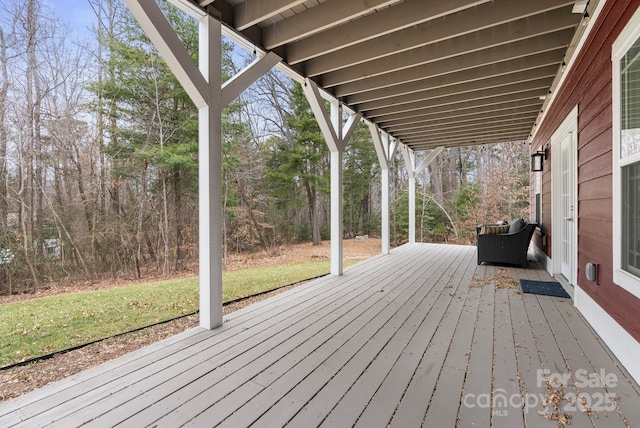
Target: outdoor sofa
(505, 243)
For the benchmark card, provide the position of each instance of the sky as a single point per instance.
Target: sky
(77, 14)
(80, 18)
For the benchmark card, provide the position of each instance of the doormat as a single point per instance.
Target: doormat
(545, 288)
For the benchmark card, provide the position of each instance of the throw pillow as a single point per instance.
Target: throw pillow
(516, 225)
(494, 230)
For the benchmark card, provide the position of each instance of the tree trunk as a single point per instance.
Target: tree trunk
(4, 89)
(313, 213)
(179, 219)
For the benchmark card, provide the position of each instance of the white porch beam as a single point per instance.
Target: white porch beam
(468, 133)
(501, 35)
(462, 108)
(251, 12)
(193, 10)
(510, 92)
(157, 28)
(524, 123)
(233, 87)
(472, 118)
(555, 43)
(496, 13)
(319, 18)
(375, 25)
(474, 140)
(480, 75)
(337, 137)
(546, 72)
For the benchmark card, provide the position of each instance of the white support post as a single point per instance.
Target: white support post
(203, 83)
(410, 162)
(412, 209)
(337, 138)
(209, 176)
(384, 149)
(386, 222)
(337, 227)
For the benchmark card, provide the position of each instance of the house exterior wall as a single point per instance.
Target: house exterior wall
(589, 87)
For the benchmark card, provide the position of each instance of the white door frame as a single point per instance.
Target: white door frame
(568, 126)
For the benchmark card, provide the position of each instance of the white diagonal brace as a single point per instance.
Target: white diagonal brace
(379, 145)
(393, 145)
(409, 160)
(241, 81)
(348, 129)
(322, 116)
(430, 157)
(164, 38)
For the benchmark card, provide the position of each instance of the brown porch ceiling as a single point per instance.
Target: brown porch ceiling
(431, 73)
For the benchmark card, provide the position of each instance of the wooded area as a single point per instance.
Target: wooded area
(98, 160)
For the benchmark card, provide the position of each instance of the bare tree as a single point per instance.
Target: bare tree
(4, 90)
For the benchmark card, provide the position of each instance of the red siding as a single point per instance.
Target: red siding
(589, 87)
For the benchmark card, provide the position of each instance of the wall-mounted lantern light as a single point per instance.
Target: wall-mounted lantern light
(537, 161)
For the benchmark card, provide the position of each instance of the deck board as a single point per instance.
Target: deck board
(383, 404)
(291, 389)
(346, 323)
(399, 340)
(601, 358)
(527, 363)
(479, 372)
(342, 372)
(579, 367)
(505, 378)
(551, 356)
(469, 357)
(414, 403)
(272, 343)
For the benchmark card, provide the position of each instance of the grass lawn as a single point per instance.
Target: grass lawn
(41, 326)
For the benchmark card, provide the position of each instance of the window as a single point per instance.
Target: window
(626, 157)
(630, 221)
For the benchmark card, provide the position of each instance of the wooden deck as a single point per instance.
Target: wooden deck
(420, 337)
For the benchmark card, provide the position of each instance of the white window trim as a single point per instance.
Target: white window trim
(627, 37)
